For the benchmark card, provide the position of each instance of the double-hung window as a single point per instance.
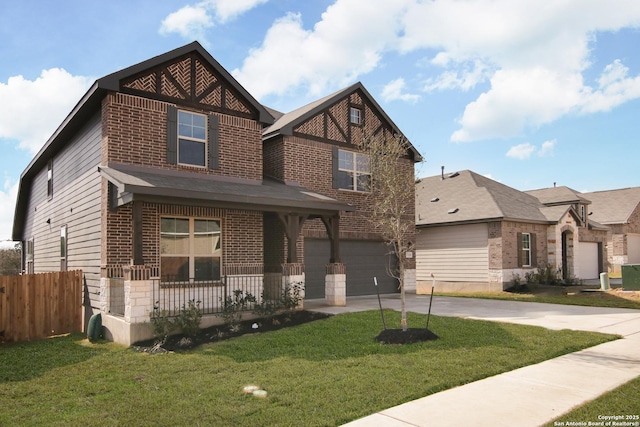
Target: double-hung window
(355, 116)
(28, 258)
(50, 179)
(192, 139)
(353, 171)
(526, 250)
(63, 248)
(190, 249)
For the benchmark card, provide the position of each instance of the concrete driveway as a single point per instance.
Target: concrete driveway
(529, 396)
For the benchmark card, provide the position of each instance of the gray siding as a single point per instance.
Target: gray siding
(75, 203)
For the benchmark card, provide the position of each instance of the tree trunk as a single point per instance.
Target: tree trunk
(403, 308)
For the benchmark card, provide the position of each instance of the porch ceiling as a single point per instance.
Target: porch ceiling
(171, 186)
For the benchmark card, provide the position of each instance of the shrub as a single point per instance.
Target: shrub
(162, 323)
(234, 306)
(188, 319)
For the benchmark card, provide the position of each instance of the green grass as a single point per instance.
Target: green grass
(623, 401)
(589, 299)
(326, 372)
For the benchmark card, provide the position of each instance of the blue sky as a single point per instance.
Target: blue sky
(528, 93)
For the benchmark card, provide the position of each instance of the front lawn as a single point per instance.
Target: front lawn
(621, 403)
(613, 298)
(327, 372)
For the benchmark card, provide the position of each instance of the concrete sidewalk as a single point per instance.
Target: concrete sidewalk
(529, 396)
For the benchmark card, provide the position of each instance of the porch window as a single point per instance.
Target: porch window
(192, 139)
(190, 249)
(353, 171)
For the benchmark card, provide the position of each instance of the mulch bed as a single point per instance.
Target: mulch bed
(411, 335)
(222, 332)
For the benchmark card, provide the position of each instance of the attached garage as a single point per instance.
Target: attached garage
(588, 261)
(364, 260)
(458, 253)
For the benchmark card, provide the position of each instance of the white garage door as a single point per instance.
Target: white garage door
(588, 261)
(633, 248)
(453, 254)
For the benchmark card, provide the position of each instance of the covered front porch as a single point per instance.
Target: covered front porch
(251, 229)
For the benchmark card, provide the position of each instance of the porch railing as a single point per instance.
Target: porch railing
(173, 296)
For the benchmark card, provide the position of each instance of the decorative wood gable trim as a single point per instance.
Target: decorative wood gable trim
(332, 124)
(189, 80)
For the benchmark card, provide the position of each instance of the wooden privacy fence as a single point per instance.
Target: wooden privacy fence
(34, 306)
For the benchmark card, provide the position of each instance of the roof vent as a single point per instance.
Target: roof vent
(435, 199)
(453, 175)
(452, 211)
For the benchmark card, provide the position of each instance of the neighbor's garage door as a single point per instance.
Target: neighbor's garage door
(457, 253)
(588, 263)
(633, 248)
(364, 260)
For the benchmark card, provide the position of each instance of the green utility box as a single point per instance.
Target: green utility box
(631, 277)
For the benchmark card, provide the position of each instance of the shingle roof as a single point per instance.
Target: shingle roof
(613, 206)
(477, 198)
(557, 196)
(268, 195)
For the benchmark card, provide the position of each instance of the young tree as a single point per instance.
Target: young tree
(392, 193)
(10, 260)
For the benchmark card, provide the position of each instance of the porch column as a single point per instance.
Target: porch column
(335, 285)
(292, 227)
(332, 224)
(335, 281)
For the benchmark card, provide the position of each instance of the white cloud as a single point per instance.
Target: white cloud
(189, 22)
(547, 148)
(532, 57)
(526, 150)
(464, 78)
(192, 21)
(521, 151)
(8, 196)
(396, 90)
(30, 111)
(347, 42)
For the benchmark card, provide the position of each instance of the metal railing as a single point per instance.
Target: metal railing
(171, 297)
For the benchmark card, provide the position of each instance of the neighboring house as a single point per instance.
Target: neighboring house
(620, 211)
(169, 182)
(476, 234)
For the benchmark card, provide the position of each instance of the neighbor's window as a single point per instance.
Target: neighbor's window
(63, 248)
(192, 139)
(353, 171)
(50, 178)
(28, 258)
(526, 249)
(190, 249)
(355, 116)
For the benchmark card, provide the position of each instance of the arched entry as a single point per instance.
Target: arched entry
(567, 253)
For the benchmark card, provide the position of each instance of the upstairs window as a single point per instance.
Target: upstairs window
(353, 171)
(192, 139)
(50, 178)
(355, 116)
